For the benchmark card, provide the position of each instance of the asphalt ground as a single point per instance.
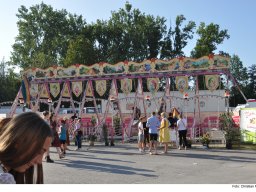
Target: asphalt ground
(124, 164)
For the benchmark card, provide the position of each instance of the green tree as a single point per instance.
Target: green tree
(252, 81)
(173, 48)
(44, 36)
(167, 46)
(80, 50)
(134, 35)
(48, 37)
(102, 35)
(209, 37)
(181, 36)
(9, 82)
(239, 72)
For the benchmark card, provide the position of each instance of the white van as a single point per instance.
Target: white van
(69, 111)
(251, 103)
(87, 110)
(91, 110)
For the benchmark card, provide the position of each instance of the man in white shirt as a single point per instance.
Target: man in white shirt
(182, 128)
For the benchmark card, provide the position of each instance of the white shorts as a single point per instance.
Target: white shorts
(141, 138)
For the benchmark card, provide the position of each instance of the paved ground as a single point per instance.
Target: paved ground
(123, 164)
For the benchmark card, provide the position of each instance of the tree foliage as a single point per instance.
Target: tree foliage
(239, 72)
(177, 39)
(209, 37)
(51, 37)
(134, 35)
(182, 35)
(252, 81)
(44, 36)
(80, 50)
(55, 37)
(9, 82)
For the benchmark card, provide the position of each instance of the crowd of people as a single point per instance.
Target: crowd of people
(25, 140)
(156, 130)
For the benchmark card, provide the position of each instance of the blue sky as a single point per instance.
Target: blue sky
(237, 16)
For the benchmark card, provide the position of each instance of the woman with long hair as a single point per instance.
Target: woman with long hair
(23, 142)
(182, 128)
(56, 141)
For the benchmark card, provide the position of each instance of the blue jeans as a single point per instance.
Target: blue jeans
(79, 141)
(183, 138)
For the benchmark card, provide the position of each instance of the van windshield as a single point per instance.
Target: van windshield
(91, 110)
(69, 111)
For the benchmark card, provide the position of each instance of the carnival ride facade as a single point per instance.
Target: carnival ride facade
(79, 84)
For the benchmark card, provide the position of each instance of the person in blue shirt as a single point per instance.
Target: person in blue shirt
(153, 123)
(63, 135)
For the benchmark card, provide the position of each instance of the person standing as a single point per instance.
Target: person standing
(146, 132)
(141, 135)
(137, 113)
(172, 121)
(78, 133)
(164, 135)
(153, 124)
(182, 128)
(63, 135)
(56, 140)
(162, 106)
(173, 129)
(71, 128)
(46, 116)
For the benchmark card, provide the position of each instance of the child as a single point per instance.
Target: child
(141, 135)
